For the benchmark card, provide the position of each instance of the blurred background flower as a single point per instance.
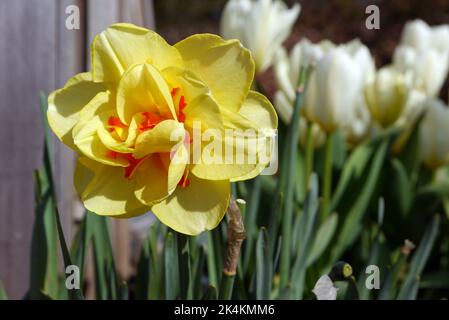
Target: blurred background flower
(261, 25)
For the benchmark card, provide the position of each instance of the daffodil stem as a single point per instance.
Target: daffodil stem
(309, 155)
(327, 177)
(236, 235)
(211, 260)
(288, 167)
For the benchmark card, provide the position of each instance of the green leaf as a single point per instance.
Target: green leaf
(286, 184)
(264, 267)
(389, 287)
(352, 224)
(44, 256)
(352, 171)
(144, 270)
(435, 280)
(306, 231)
(81, 244)
(106, 279)
(73, 294)
(419, 260)
(184, 265)
(171, 268)
(401, 185)
(198, 267)
(322, 239)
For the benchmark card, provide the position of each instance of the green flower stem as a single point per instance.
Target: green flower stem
(184, 265)
(236, 235)
(327, 177)
(288, 169)
(309, 155)
(211, 261)
(226, 287)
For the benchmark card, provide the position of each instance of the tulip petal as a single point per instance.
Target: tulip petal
(225, 66)
(196, 208)
(65, 104)
(143, 89)
(105, 191)
(164, 137)
(121, 45)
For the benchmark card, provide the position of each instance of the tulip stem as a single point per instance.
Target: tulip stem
(327, 177)
(236, 235)
(309, 155)
(286, 183)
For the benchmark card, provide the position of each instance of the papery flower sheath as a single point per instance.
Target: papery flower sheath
(122, 116)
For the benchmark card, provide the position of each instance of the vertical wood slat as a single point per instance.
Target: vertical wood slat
(37, 53)
(27, 64)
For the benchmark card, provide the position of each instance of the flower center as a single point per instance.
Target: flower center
(184, 182)
(116, 127)
(180, 99)
(151, 119)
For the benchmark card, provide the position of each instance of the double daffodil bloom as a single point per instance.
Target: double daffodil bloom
(123, 115)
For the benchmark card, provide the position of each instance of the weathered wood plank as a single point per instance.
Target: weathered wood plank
(37, 53)
(27, 65)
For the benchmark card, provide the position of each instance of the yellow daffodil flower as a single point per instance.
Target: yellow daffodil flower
(122, 116)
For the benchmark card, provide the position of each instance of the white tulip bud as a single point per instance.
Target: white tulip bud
(261, 25)
(386, 96)
(434, 134)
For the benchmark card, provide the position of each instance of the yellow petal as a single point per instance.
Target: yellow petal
(155, 181)
(189, 84)
(252, 130)
(64, 105)
(85, 133)
(142, 88)
(203, 111)
(225, 66)
(105, 191)
(121, 45)
(196, 208)
(258, 109)
(164, 137)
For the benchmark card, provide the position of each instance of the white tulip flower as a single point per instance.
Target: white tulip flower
(434, 134)
(423, 56)
(333, 97)
(386, 96)
(261, 25)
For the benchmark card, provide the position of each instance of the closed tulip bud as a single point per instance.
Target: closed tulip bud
(434, 134)
(386, 96)
(335, 87)
(261, 25)
(423, 56)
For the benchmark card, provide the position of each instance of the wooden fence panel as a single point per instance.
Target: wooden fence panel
(37, 53)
